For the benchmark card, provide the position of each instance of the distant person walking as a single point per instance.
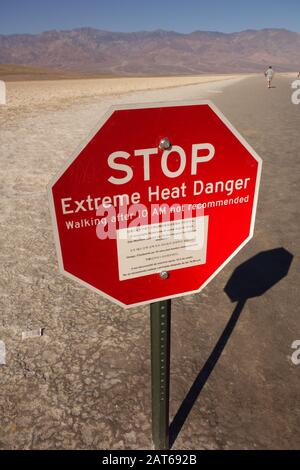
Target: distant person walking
(269, 74)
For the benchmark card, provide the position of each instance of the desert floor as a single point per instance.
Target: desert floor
(86, 382)
(56, 94)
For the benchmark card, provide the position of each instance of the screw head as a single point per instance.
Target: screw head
(165, 144)
(164, 275)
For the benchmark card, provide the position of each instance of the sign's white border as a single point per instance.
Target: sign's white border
(106, 116)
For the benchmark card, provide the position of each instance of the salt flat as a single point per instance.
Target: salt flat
(65, 92)
(85, 383)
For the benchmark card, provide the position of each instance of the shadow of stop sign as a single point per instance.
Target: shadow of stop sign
(155, 202)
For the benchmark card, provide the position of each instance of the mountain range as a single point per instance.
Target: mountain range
(156, 53)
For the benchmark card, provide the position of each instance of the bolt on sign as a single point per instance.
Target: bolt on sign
(156, 201)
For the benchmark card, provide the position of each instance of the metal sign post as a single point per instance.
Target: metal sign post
(160, 368)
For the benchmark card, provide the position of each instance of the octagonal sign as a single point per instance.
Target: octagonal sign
(156, 201)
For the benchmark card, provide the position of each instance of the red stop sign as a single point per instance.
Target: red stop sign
(156, 202)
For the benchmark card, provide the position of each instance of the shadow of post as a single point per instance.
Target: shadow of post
(251, 279)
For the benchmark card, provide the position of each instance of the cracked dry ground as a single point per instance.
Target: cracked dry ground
(85, 383)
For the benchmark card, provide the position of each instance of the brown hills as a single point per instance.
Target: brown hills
(157, 52)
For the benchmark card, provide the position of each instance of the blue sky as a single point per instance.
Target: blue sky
(32, 16)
